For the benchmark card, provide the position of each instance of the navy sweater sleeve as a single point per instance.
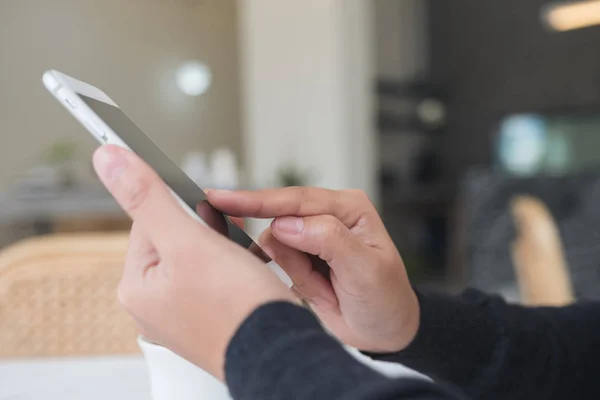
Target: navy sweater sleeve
(281, 352)
(494, 350)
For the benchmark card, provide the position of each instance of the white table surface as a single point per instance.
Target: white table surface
(105, 378)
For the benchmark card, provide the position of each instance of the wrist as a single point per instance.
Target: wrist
(412, 322)
(408, 326)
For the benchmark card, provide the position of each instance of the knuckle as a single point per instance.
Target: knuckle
(300, 194)
(328, 236)
(329, 228)
(358, 205)
(301, 191)
(259, 207)
(308, 194)
(358, 195)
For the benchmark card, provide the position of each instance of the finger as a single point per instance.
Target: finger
(308, 283)
(142, 194)
(215, 219)
(238, 221)
(326, 237)
(347, 206)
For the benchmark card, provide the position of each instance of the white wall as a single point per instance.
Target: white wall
(401, 38)
(307, 76)
(130, 49)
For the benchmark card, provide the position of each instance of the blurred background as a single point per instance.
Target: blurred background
(473, 126)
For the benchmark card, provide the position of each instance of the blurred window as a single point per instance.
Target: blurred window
(539, 144)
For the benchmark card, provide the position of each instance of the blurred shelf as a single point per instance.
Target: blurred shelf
(437, 194)
(390, 124)
(408, 89)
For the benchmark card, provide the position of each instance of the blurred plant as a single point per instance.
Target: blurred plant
(292, 176)
(60, 156)
(60, 152)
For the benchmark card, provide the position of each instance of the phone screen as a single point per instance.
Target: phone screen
(171, 174)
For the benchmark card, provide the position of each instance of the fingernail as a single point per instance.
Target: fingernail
(291, 225)
(109, 163)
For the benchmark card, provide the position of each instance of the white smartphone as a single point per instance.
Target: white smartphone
(109, 125)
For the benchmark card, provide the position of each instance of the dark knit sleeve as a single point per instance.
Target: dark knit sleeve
(495, 350)
(281, 352)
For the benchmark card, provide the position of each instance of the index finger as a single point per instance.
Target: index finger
(347, 206)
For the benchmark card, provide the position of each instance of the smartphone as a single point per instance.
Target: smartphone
(103, 118)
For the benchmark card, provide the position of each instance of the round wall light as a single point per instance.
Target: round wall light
(193, 78)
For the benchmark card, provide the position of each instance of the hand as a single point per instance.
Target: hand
(367, 301)
(187, 287)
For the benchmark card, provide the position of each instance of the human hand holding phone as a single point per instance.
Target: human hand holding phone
(366, 300)
(187, 287)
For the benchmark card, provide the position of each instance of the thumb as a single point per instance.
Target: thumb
(142, 194)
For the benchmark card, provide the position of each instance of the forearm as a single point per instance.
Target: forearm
(281, 352)
(494, 350)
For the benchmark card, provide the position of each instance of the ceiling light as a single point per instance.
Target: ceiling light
(572, 15)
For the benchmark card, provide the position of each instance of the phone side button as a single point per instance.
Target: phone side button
(70, 103)
(63, 94)
(95, 131)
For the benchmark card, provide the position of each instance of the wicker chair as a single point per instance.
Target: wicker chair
(58, 297)
(538, 257)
